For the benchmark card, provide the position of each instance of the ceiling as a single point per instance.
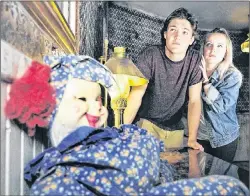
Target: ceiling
(231, 15)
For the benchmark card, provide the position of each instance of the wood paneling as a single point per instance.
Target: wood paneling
(17, 148)
(3, 137)
(242, 153)
(15, 159)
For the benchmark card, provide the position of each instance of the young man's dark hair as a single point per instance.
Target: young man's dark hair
(180, 13)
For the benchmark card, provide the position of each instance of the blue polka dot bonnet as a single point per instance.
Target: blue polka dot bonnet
(77, 66)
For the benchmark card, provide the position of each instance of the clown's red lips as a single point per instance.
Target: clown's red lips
(92, 119)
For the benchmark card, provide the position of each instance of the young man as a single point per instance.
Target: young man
(174, 75)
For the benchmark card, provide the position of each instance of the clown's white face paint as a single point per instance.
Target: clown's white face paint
(80, 106)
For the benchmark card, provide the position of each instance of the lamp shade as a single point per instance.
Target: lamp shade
(126, 75)
(125, 71)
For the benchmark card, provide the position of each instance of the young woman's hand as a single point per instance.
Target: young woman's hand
(203, 69)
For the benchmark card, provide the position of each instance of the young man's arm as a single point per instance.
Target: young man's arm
(134, 103)
(194, 112)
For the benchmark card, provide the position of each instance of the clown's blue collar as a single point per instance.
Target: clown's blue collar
(86, 134)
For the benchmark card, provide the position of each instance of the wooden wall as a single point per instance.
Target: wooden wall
(21, 41)
(17, 148)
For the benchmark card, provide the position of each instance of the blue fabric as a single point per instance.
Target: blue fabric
(79, 136)
(210, 185)
(124, 161)
(114, 161)
(219, 106)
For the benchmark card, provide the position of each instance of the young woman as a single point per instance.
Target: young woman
(219, 128)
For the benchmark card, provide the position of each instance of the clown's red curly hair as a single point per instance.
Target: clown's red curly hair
(31, 97)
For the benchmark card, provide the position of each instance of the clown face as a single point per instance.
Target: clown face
(81, 105)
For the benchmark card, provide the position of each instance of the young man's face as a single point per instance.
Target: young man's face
(179, 36)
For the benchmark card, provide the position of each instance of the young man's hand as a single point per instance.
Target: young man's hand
(195, 145)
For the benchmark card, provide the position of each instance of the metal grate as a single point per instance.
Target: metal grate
(91, 14)
(132, 29)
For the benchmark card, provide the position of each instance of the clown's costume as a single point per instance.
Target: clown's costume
(87, 159)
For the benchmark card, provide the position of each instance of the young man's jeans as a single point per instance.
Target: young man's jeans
(171, 139)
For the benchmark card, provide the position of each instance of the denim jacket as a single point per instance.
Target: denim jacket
(219, 123)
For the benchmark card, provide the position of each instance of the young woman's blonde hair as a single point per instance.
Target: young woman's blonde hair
(228, 58)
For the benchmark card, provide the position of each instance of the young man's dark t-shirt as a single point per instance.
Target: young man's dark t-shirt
(167, 91)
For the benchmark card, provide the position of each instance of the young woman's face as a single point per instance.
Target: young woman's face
(215, 48)
(82, 105)
(179, 36)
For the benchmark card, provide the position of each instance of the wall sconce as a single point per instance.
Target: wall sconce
(245, 45)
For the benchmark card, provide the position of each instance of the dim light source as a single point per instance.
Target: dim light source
(245, 45)
(126, 75)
